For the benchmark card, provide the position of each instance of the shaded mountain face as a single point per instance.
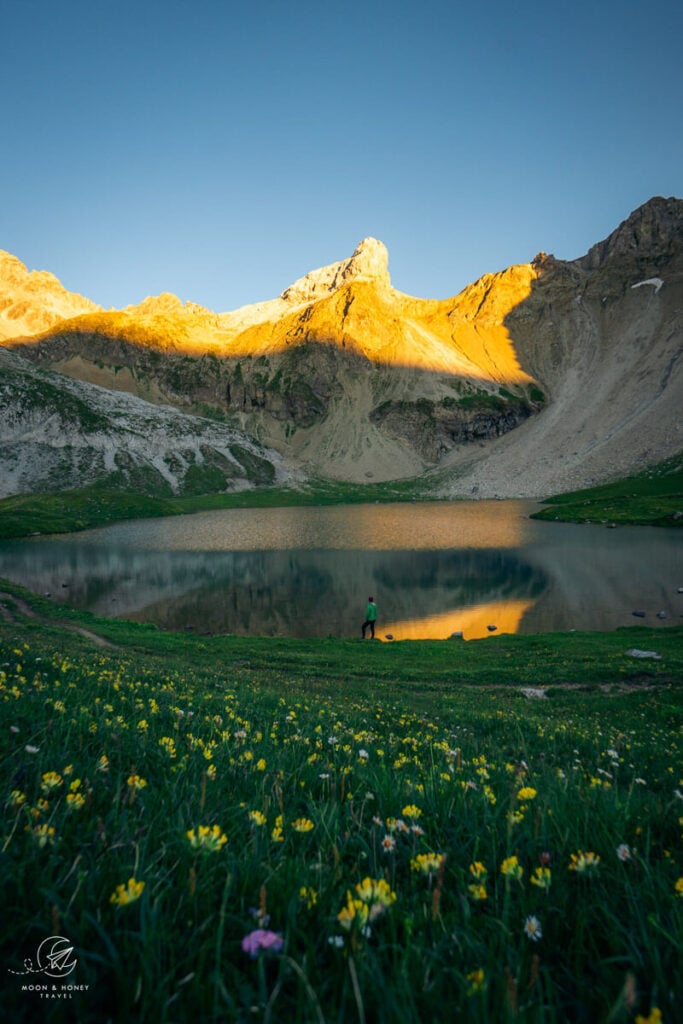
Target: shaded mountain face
(542, 377)
(58, 433)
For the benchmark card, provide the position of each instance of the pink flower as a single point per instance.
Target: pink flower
(262, 940)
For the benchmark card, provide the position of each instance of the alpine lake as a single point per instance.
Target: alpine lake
(434, 569)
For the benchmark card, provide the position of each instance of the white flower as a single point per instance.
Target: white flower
(336, 940)
(623, 852)
(641, 782)
(532, 928)
(30, 749)
(363, 754)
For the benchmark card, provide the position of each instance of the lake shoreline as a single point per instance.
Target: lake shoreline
(653, 498)
(591, 660)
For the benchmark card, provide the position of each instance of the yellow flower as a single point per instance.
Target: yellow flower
(354, 913)
(654, 1017)
(127, 893)
(476, 980)
(511, 868)
(277, 834)
(261, 764)
(526, 793)
(257, 817)
(490, 795)
(678, 888)
(303, 825)
(427, 863)
(142, 725)
(43, 834)
(584, 862)
(75, 801)
(211, 773)
(478, 891)
(16, 798)
(308, 896)
(168, 743)
(103, 764)
(478, 870)
(50, 781)
(375, 893)
(411, 811)
(541, 877)
(135, 782)
(210, 839)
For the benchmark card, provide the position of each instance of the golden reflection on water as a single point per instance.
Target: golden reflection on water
(472, 622)
(416, 526)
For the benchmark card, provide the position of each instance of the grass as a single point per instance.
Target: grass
(371, 796)
(653, 498)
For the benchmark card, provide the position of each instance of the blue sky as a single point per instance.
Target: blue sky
(219, 150)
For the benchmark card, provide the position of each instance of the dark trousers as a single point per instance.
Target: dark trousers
(371, 624)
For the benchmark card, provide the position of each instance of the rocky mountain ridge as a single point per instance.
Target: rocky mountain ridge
(545, 376)
(33, 301)
(341, 373)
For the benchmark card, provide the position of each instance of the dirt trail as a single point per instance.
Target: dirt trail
(9, 603)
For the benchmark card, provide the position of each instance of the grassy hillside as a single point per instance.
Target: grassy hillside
(654, 497)
(234, 829)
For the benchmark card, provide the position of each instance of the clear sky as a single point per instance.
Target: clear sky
(219, 149)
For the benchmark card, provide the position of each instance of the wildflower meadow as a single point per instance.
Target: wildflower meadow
(200, 841)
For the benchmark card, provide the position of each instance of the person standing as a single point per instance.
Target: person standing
(370, 618)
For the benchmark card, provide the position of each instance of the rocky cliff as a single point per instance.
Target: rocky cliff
(57, 433)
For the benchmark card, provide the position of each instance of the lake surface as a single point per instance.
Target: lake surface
(433, 568)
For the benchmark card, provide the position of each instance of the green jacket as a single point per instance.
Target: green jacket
(371, 613)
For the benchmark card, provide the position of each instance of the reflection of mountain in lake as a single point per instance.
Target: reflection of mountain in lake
(324, 593)
(293, 593)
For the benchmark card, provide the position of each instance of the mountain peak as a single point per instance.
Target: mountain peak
(370, 259)
(369, 262)
(34, 300)
(649, 235)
